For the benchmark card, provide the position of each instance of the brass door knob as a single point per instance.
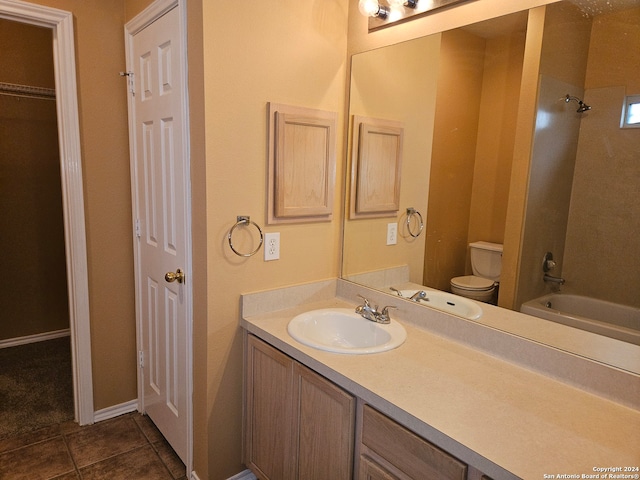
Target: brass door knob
(177, 276)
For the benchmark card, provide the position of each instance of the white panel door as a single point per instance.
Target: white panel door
(161, 191)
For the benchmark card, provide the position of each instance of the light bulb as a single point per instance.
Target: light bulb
(369, 8)
(396, 3)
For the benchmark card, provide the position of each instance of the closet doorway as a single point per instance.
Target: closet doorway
(58, 25)
(34, 303)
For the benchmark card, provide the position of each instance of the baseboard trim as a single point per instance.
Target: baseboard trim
(38, 337)
(245, 475)
(115, 411)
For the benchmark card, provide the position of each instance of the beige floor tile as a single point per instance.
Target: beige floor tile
(139, 464)
(170, 459)
(39, 461)
(68, 476)
(148, 428)
(128, 447)
(103, 440)
(29, 438)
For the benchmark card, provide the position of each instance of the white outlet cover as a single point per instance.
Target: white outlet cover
(271, 246)
(392, 233)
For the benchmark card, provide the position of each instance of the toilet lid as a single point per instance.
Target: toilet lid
(471, 282)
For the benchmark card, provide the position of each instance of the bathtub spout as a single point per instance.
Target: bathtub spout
(552, 279)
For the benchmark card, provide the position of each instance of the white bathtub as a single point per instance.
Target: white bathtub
(597, 316)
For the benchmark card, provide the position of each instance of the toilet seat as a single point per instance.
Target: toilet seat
(472, 283)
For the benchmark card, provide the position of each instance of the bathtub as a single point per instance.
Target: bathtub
(597, 316)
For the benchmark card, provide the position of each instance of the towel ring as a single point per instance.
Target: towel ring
(410, 213)
(245, 220)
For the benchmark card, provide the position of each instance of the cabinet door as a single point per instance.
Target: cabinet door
(269, 447)
(298, 424)
(326, 428)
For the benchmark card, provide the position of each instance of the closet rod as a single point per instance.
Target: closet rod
(27, 91)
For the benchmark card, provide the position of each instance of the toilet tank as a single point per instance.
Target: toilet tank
(486, 260)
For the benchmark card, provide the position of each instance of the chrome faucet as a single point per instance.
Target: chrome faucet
(552, 279)
(416, 297)
(419, 295)
(549, 264)
(371, 313)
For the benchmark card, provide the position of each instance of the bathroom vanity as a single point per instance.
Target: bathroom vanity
(435, 404)
(301, 425)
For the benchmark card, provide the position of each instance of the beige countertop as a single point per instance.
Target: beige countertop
(506, 420)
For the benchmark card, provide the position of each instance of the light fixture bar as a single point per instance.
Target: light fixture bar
(371, 8)
(407, 9)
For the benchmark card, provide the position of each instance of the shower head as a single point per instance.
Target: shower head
(582, 107)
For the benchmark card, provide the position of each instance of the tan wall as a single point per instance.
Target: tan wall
(496, 137)
(134, 7)
(566, 43)
(32, 241)
(240, 66)
(284, 52)
(105, 160)
(478, 91)
(455, 134)
(397, 83)
(27, 55)
(521, 159)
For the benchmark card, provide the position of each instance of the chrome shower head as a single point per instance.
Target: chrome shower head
(582, 107)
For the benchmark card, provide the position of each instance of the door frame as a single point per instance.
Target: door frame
(145, 18)
(61, 24)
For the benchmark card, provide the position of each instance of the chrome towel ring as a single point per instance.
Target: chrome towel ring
(245, 220)
(410, 213)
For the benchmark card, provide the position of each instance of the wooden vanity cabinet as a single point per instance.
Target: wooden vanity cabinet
(388, 451)
(301, 426)
(298, 424)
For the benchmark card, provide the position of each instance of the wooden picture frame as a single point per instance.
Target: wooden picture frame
(302, 164)
(376, 167)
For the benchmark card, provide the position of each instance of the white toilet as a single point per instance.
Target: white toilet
(486, 262)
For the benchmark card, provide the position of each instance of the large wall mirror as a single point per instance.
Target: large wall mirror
(500, 146)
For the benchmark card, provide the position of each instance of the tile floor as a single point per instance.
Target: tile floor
(126, 447)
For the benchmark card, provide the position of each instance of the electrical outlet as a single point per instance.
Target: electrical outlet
(271, 246)
(392, 233)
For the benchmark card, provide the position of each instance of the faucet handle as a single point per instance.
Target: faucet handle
(366, 302)
(383, 316)
(548, 263)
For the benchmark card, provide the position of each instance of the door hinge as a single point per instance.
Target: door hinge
(138, 227)
(141, 359)
(130, 83)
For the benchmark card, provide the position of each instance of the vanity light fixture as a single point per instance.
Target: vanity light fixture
(386, 13)
(403, 3)
(371, 8)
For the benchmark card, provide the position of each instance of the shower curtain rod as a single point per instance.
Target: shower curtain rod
(27, 91)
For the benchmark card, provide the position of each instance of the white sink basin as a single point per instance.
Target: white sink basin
(447, 302)
(341, 330)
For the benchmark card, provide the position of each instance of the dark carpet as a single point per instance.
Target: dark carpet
(35, 386)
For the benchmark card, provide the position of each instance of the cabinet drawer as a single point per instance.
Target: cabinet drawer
(406, 451)
(371, 470)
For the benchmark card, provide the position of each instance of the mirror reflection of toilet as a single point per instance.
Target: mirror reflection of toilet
(486, 263)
